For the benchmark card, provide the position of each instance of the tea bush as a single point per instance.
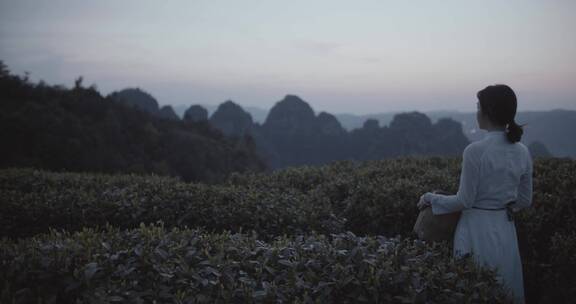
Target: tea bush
(152, 263)
(368, 198)
(33, 201)
(373, 197)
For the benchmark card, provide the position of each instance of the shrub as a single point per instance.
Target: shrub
(33, 201)
(152, 263)
(369, 198)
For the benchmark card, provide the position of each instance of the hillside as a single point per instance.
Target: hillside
(56, 128)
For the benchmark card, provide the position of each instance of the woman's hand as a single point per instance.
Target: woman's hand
(423, 203)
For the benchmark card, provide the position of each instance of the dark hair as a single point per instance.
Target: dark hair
(498, 103)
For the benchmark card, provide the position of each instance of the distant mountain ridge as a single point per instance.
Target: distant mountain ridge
(293, 134)
(258, 114)
(551, 132)
(554, 129)
(139, 99)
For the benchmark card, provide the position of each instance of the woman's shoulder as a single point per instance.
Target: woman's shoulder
(475, 148)
(474, 152)
(522, 147)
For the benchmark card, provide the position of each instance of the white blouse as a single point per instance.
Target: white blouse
(494, 173)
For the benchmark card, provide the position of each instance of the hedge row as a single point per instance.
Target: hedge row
(152, 263)
(378, 198)
(370, 198)
(33, 201)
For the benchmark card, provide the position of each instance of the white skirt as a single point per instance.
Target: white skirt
(491, 239)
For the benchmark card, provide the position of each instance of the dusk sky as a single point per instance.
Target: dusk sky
(341, 56)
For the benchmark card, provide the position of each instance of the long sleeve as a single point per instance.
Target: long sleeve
(525, 188)
(466, 195)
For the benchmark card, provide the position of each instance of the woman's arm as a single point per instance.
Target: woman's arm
(466, 195)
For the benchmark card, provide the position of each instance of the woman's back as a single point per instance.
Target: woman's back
(502, 167)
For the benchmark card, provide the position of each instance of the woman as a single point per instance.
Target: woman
(496, 177)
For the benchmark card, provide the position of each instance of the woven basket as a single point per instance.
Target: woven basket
(430, 227)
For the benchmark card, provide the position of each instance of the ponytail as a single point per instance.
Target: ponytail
(514, 132)
(498, 103)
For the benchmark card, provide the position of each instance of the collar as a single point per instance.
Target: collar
(492, 134)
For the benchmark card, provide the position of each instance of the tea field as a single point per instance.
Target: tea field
(340, 233)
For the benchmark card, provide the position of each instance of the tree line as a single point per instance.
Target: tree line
(78, 129)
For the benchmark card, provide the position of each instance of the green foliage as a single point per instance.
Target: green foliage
(369, 198)
(33, 201)
(546, 232)
(561, 268)
(59, 129)
(374, 197)
(190, 266)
